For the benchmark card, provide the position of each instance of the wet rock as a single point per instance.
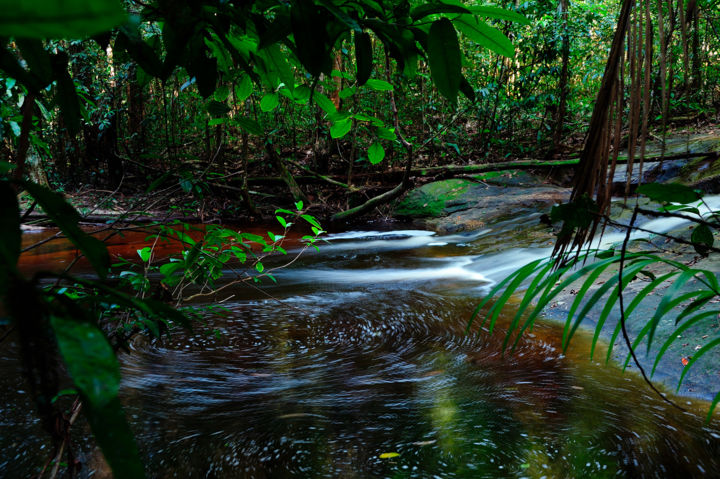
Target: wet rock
(462, 205)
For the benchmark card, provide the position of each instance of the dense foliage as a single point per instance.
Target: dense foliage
(210, 97)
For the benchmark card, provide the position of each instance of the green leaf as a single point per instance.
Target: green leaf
(379, 85)
(485, 35)
(37, 58)
(311, 38)
(277, 60)
(498, 13)
(713, 405)
(696, 356)
(346, 92)
(89, 358)
(433, 8)
(444, 58)
(6, 167)
(259, 267)
(249, 125)
(340, 128)
(269, 102)
(376, 153)
(222, 93)
(301, 94)
(386, 133)
(243, 89)
(53, 19)
(145, 253)
(67, 220)
(65, 95)
(324, 103)
(312, 220)
(217, 109)
(115, 438)
(702, 239)
(467, 89)
(10, 234)
(363, 57)
(669, 193)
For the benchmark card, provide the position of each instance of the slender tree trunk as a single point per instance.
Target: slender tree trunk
(563, 87)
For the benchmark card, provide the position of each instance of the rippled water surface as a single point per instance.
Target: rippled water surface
(358, 365)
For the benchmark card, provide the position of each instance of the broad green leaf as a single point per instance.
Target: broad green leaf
(346, 92)
(433, 8)
(485, 35)
(59, 19)
(467, 89)
(498, 13)
(67, 220)
(340, 128)
(669, 193)
(277, 60)
(444, 58)
(10, 234)
(312, 43)
(217, 109)
(363, 57)
(379, 85)
(145, 253)
(65, 94)
(221, 54)
(301, 94)
(6, 167)
(269, 102)
(243, 89)
(312, 220)
(249, 125)
(324, 103)
(702, 239)
(222, 93)
(115, 438)
(376, 153)
(386, 133)
(37, 58)
(340, 14)
(89, 358)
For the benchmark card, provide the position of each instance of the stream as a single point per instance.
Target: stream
(357, 365)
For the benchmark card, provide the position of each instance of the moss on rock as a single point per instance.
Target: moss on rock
(430, 200)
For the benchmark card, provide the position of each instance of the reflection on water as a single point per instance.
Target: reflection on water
(359, 366)
(325, 389)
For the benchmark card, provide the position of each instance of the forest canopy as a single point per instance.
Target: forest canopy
(245, 109)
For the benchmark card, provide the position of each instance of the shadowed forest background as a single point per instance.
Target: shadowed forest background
(142, 130)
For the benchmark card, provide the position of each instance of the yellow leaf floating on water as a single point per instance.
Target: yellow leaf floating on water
(388, 455)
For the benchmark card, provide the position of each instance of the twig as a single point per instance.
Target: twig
(628, 343)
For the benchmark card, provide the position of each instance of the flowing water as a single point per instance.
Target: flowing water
(357, 365)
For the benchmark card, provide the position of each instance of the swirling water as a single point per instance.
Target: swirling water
(358, 364)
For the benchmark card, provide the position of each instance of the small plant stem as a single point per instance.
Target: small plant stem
(628, 343)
